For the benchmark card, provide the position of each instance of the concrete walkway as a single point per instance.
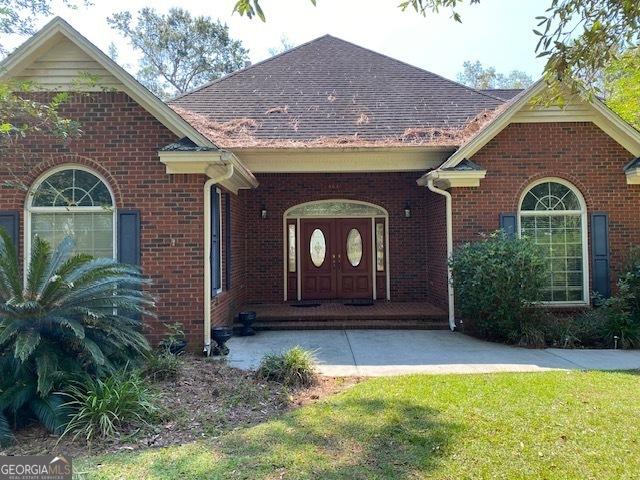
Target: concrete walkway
(395, 352)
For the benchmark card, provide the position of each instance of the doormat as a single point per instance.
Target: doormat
(306, 304)
(359, 302)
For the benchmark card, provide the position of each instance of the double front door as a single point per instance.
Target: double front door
(335, 258)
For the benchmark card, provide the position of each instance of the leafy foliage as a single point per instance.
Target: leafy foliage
(179, 52)
(293, 368)
(475, 75)
(75, 316)
(622, 86)
(161, 365)
(103, 407)
(496, 281)
(22, 115)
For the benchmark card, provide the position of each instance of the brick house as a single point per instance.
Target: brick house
(327, 174)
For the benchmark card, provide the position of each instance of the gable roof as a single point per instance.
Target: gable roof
(331, 91)
(56, 31)
(601, 115)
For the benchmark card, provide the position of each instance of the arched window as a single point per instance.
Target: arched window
(553, 213)
(76, 202)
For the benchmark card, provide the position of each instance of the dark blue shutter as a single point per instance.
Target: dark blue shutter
(509, 223)
(129, 237)
(9, 221)
(227, 240)
(600, 253)
(215, 241)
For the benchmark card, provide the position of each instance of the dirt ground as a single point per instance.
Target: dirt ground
(207, 399)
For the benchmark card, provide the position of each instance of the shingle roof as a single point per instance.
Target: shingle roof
(635, 163)
(503, 93)
(186, 145)
(330, 90)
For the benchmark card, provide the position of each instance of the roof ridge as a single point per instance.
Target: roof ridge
(412, 66)
(244, 69)
(327, 35)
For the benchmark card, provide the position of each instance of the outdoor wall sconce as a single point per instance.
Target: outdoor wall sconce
(407, 211)
(263, 213)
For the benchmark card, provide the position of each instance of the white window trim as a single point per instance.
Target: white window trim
(29, 209)
(585, 235)
(286, 216)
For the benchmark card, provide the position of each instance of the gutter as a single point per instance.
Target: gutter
(230, 169)
(449, 214)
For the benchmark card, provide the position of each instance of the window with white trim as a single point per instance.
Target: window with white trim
(74, 202)
(553, 213)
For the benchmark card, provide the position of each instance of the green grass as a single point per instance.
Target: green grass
(564, 425)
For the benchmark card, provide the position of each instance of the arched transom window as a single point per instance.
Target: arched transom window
(75, 202)
(553, 213)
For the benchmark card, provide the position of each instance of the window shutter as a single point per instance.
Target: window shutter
(9, 221)
(509, 223)
(600, 253)
(215, 241)
(227, 240)
(129, 236)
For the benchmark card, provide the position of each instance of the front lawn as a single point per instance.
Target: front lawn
(534, 425)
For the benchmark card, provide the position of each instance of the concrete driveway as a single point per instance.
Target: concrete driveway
(395, 352)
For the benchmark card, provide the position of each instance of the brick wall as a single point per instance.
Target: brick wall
(392, 191)
(580, 153)
(120, 141)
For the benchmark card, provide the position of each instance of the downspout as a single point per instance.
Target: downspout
(207, 249)
(449, 215)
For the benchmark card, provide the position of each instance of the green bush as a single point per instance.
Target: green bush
(496, 280)
(104, 407)
(75, 316)
(161, 365)
(293, 368)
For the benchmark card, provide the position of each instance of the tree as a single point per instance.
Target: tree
(179, 52)
(577, 37)
(622, 86)
(475, 75)
(73, 316)
(285, 44)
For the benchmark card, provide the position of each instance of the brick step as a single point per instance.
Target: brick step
(341, 324)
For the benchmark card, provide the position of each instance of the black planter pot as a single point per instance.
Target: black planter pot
(220, 335)
(177, 347)
(247, 319)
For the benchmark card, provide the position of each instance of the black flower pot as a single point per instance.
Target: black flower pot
(220, 335)
(247, 319)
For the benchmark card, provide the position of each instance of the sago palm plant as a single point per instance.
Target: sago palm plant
(74, 316)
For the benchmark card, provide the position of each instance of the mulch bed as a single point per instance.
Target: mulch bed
(207, 399)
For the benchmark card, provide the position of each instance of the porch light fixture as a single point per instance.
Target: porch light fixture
(263, 213)
(407, 211)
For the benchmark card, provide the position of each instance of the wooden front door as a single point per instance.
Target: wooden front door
(336, 258)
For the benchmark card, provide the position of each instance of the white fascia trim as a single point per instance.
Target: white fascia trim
(503, 119)
(212, 164)
(447, 179)
(156, 107)
(633, 176)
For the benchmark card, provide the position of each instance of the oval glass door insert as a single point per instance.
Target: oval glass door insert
(354, 247)
(317, 247)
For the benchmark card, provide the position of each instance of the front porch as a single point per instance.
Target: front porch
(334, 315)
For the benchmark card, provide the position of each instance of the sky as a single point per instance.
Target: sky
(496, 32)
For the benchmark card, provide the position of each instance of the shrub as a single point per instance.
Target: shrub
(293, 368)
(104, 407)
(161, 365)
(496, 280)
(75, 316)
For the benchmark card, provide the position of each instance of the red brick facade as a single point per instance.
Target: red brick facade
(120, 141)
(580, 153)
